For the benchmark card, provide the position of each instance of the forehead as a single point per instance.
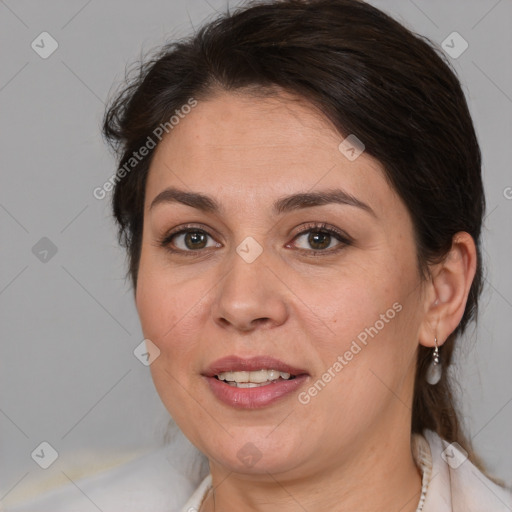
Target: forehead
(238, 145)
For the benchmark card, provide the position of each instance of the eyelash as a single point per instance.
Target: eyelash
(323, 228)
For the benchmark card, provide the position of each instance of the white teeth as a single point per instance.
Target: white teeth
(272, 374)
(244, 384)
(239, 376)
(252, 379)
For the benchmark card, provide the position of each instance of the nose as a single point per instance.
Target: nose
(250, 296)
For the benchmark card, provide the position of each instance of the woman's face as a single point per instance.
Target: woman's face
(257, 283)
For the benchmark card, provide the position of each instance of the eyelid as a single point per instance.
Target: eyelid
(187, 227)
(322, 226)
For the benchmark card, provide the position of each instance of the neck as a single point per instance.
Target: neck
(383, 476)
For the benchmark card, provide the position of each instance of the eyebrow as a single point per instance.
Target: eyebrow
(282, 205)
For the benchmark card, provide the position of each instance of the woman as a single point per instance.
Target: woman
(304, 245)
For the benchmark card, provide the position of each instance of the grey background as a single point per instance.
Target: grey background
(68, 375)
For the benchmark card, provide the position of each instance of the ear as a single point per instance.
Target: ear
(447, 291)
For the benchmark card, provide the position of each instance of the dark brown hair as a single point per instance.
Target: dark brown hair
(370, 76)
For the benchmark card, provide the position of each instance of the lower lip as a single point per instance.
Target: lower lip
(254, 398)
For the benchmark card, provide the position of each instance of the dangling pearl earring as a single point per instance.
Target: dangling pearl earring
(435, 369)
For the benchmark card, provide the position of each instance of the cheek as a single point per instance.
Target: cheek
(365, 372)
(154, 306)
(370, 321)
(164, 303)
(173, 314)
(167, 318)
(358, 301)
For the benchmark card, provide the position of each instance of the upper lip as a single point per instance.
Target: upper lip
(235, 363)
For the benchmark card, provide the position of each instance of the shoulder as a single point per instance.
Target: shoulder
(150, 482)
(456, 484)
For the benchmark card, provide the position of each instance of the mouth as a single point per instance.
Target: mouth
(245, 379)
(252, 383)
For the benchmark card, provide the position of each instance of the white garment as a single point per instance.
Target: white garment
(162, 481)
(449, 487)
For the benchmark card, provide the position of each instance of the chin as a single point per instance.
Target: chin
(254, 451)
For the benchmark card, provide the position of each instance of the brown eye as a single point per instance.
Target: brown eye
(321, 238)
(317, 240)
(195, 240)
(188, 240)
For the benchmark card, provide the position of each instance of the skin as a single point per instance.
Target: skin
(304, 309)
